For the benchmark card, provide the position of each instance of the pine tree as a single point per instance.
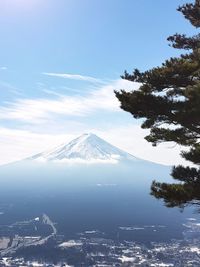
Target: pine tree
(168, 101)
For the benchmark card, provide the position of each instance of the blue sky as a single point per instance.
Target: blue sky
(60, 61)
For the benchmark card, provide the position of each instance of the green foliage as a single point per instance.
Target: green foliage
(176, 195)
(168, 101)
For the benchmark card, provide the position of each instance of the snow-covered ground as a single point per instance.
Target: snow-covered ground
(86, 148)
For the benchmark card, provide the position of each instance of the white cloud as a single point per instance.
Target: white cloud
(7, 87)
(19, 144)
(40, 110)
(80, 161)
(73, 77)
(3, 68)
(131, 139)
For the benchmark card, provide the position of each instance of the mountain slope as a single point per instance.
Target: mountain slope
(88, 148)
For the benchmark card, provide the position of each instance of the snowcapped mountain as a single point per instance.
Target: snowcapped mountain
(86, 148)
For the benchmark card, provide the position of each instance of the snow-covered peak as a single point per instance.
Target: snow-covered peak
(86, 137)
(86, 148)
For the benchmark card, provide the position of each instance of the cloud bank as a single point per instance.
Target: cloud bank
(42, 109)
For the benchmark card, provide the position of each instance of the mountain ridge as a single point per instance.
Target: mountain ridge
(87, 147)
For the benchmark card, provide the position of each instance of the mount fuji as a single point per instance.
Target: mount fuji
(85, 161)
(87, 148)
